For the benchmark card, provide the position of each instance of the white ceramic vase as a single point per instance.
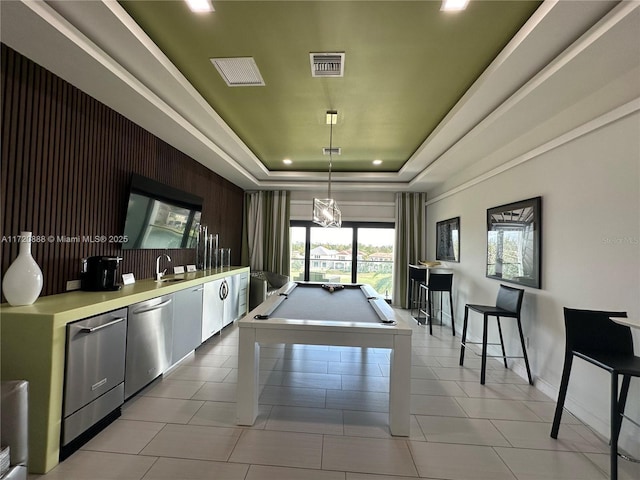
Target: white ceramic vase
(22, 282)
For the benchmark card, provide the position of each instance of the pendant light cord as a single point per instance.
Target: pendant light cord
(330, 156)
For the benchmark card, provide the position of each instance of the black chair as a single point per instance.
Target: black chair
(508, 305)
(417, 276)
(438, 282)
(592, 336)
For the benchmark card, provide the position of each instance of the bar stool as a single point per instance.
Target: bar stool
(592, 336)
(508, 304)
(414, 298)
(417, 276)
(437, 282)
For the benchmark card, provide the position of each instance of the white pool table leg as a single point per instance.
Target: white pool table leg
(400, 386)
(248, 377)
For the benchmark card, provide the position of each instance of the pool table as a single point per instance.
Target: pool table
(309, 313)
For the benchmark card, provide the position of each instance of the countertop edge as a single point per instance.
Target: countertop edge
(71, 306)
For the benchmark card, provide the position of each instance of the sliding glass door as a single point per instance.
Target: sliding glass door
(355, 253)
(375, 262)
(298, 252)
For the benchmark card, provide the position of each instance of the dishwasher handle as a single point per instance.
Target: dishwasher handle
(100, 327)
(153, 307)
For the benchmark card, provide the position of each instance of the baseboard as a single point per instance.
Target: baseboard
(575, 407)
(600, 425)
(445, 316)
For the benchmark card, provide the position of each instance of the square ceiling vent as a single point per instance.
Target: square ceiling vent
(327, 64)
(239, 72)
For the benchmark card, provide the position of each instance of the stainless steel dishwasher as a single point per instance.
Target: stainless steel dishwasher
(149, 338)
(94, 375)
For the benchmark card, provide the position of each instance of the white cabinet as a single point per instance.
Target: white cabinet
(242, 289)
(235, 305)
(187, 321)
(224, 302)
(212, 308)
(230, 300)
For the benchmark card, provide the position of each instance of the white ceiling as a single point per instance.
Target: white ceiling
(572, 63)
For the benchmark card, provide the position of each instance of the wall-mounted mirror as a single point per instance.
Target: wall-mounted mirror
(514, 242)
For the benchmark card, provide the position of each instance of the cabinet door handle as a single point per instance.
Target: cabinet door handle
(95, 329)
(199, 289)
(224, 290)
(152, 308)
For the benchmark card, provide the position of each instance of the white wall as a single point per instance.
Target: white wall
(590, 192)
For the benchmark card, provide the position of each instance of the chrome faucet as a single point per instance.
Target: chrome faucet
(160, 274)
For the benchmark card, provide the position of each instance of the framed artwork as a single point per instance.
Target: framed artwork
(514, 250)
(448, 240)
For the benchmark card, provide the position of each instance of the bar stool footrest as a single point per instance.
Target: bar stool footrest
(628, 458)
(498, 356)
(464, 344)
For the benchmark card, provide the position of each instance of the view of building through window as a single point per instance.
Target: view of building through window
(328, 255)
(331, 253)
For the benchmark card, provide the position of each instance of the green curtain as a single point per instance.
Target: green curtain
(265, 233)
(411, 242)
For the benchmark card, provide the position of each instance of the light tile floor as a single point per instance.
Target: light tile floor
(324, 416)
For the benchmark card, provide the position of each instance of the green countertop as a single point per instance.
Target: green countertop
(33, 348)
(71, 306)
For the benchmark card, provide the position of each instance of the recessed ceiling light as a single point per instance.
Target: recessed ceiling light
(287, 161)
(453, 5)
(200, 6)
(332, 117)
(377, 162)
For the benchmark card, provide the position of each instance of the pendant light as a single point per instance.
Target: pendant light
(325, 210)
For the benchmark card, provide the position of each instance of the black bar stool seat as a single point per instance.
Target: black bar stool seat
(437, 282)
(508, 305)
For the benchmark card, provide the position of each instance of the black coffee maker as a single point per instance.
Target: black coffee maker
(99, 273)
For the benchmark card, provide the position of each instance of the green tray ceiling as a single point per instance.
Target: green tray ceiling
(407, 64)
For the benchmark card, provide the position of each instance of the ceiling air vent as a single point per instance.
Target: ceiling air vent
(332, 151)
(327, 64)
(239, 72)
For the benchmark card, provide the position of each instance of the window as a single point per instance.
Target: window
(356, 253)
(333, 247)
(375, 259)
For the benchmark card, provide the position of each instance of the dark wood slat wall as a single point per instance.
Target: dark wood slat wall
(66, 164)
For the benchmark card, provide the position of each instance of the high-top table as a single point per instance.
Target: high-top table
(419, 274)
